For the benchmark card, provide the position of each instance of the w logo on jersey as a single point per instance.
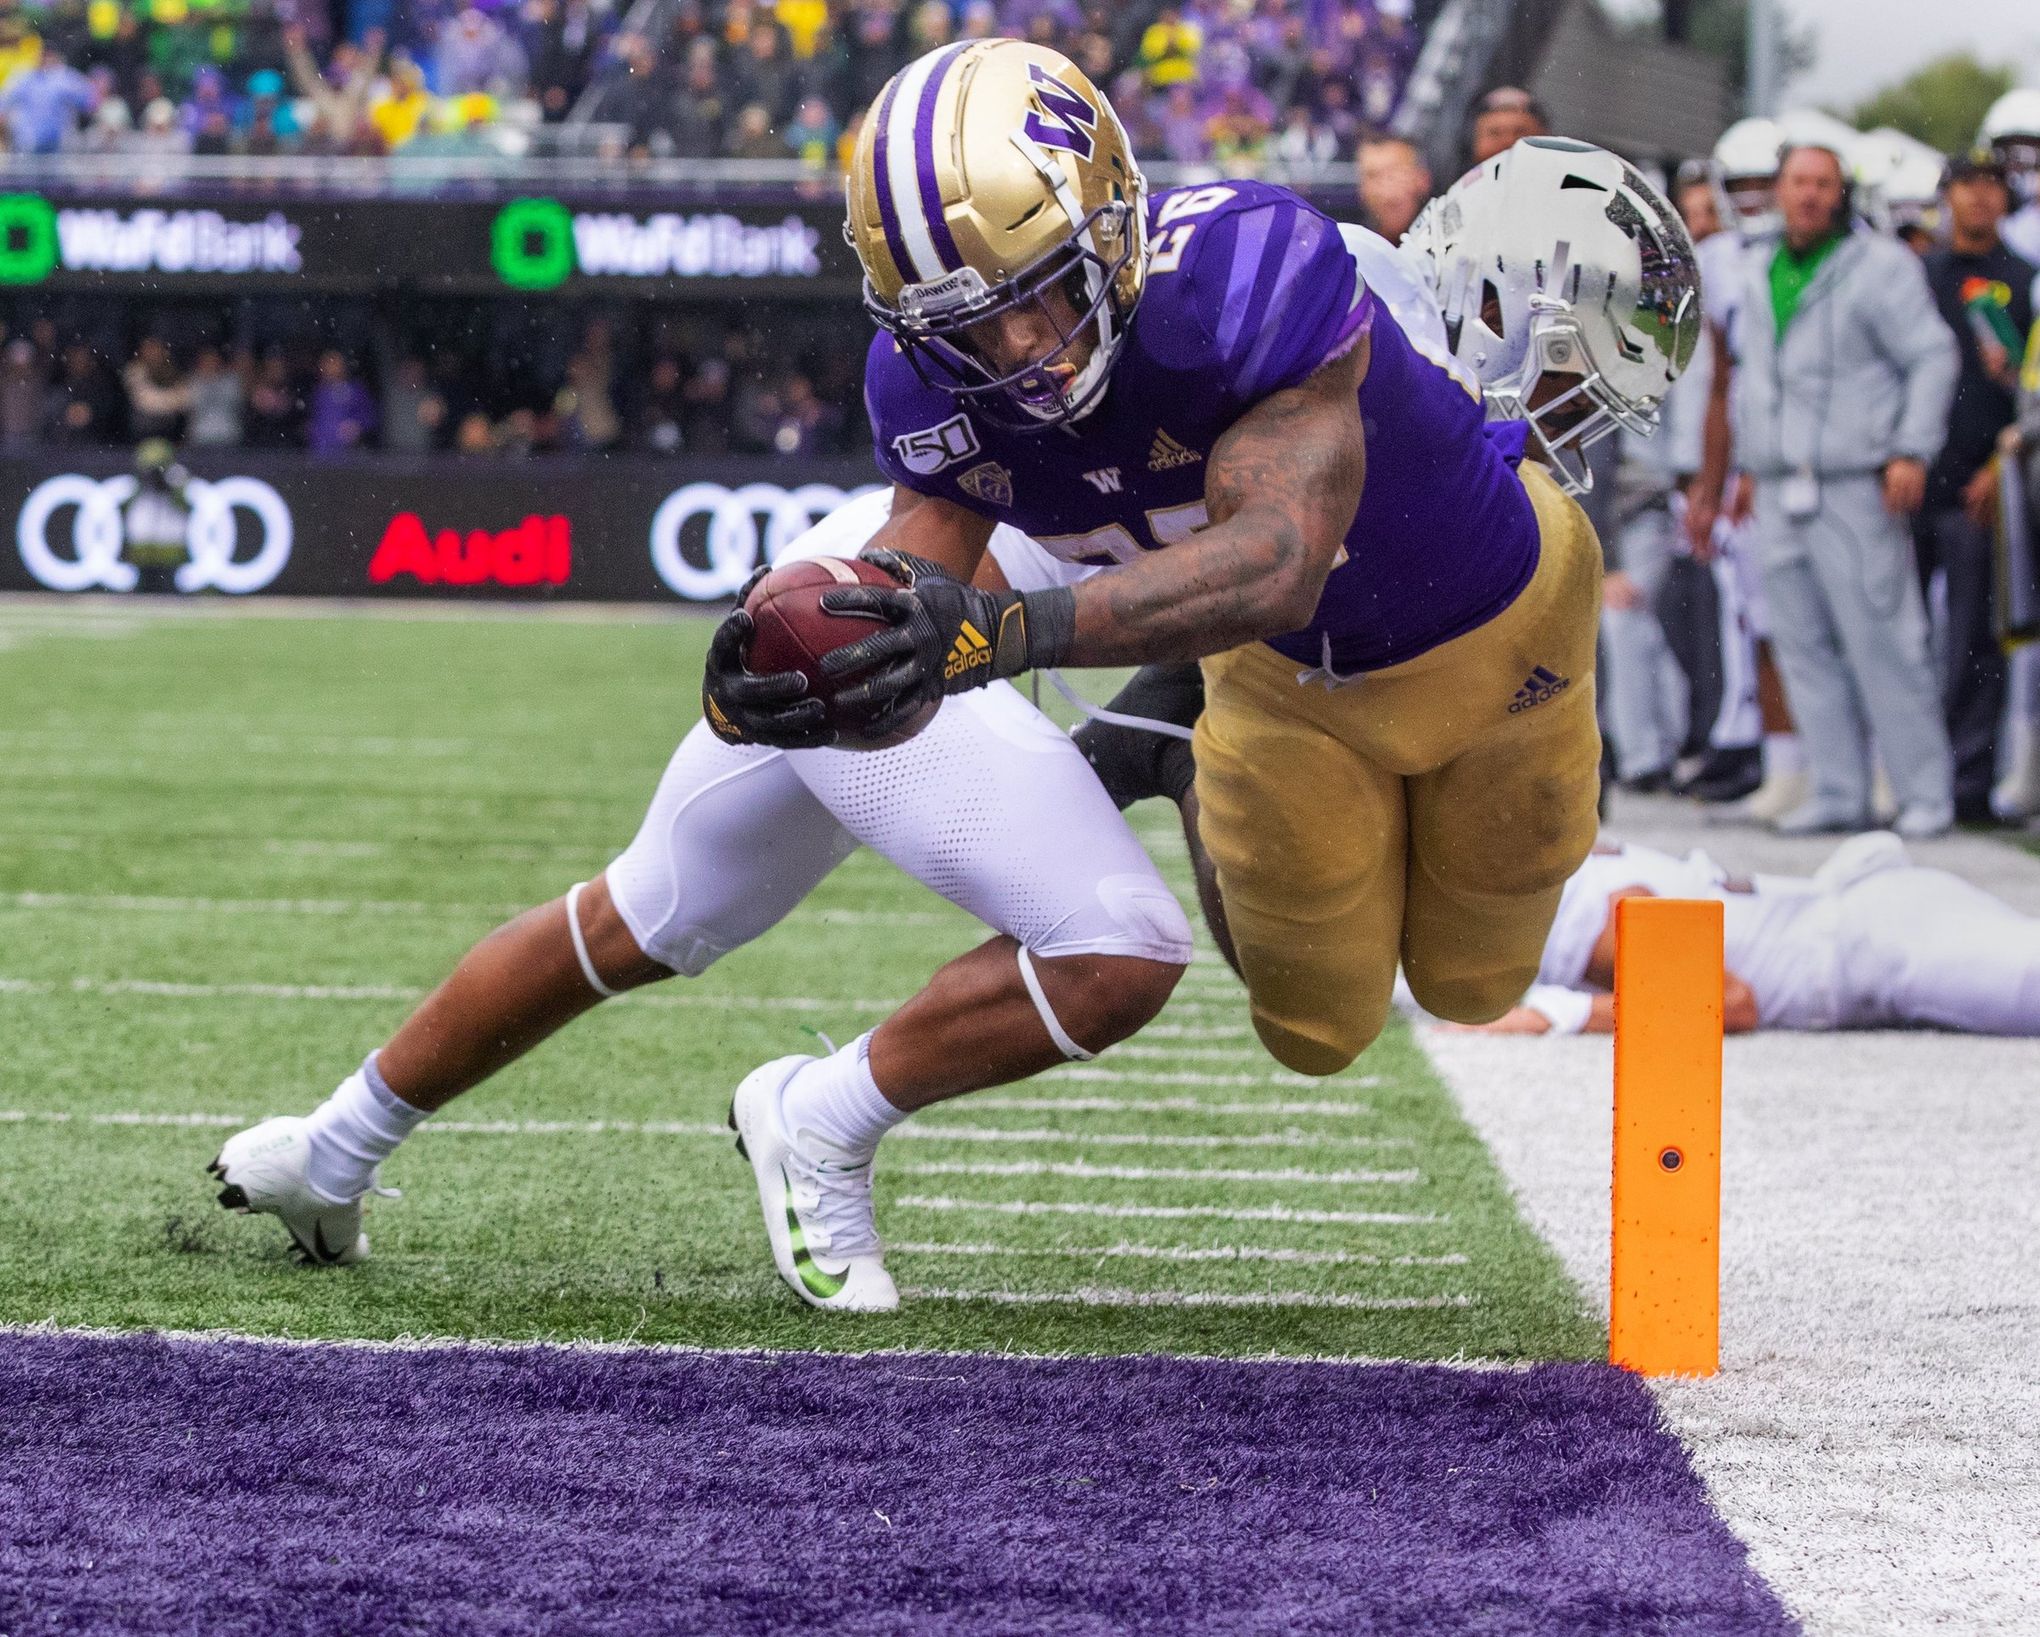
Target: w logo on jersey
(1065, 119)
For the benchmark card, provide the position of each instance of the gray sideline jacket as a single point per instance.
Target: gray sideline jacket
(1866, 371)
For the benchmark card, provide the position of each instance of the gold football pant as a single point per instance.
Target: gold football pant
(1429, 813)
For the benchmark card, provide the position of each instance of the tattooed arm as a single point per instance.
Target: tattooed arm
(1282, 486)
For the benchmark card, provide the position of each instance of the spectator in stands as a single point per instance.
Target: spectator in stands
(1841, 400)
(399, 112)
(413, 410)
(813, 133)
(340, 94)
(586, 406)
(695, 121)
(275, 406)
(161, 135)
(752, 137)
(475, 435)
(23, 384)
(1503, 118)
(1395, 184)
(1985, 294)
(476, 53)
(83, 406)
(44, 104)
(657, 426)
(341, 415)
(764, 75)
(157, 392)
(218, 396)
(562, 39)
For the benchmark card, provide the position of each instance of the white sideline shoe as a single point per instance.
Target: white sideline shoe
(2017, 795)
(1778, 795)
(264, 1172)
(816, 1200)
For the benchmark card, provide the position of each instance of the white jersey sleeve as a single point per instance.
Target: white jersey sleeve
(1398, 284)
(848, 530)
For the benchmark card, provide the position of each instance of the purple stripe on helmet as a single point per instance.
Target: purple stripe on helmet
(924, 159)
(889, 218)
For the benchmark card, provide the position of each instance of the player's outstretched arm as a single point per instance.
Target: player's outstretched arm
(1281, 488)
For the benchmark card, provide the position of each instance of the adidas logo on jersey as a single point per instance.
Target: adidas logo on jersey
(970, 649)
(1540, 688)
(1165, 453)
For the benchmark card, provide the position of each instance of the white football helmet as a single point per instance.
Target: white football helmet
(1747, 158)
(1557, 260)
(2011, 130)
(1898, 180)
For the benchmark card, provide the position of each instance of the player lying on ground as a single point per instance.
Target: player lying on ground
(1398, 755)
(1869, 941)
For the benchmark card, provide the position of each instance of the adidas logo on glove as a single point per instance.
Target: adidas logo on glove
(970, 648)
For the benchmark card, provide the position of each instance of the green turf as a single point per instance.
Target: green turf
(353, 800)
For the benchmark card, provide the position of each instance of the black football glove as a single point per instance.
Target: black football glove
(945, 636)
(743, 708)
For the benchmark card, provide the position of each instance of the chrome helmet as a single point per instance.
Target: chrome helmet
(988, 173)
(1747, 159)
(1557, 259)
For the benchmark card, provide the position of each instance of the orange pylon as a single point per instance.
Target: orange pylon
(1664, 1298)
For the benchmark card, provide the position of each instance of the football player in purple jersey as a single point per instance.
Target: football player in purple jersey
(1196, 392)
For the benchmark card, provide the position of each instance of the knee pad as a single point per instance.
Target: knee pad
(1130, 915)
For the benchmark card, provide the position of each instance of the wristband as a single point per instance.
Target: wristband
(1050, 624)
(1567, 1010)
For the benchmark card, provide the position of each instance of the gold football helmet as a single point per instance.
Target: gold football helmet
(987, 173)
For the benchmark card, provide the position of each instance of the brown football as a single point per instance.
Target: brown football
(794, 632)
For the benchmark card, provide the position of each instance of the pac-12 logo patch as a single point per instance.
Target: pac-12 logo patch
(990, 482)
(927, 451)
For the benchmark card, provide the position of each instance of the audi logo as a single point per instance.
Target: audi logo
(746, 526)
(98, 533)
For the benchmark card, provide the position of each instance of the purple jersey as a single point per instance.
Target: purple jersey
(1249, 290)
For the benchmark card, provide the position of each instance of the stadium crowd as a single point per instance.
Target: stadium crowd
(1230, 81)
(511, 382)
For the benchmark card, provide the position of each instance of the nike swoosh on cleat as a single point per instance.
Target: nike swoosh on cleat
(812, 1274)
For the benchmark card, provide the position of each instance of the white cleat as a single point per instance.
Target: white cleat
(264, 1172)
(816, 1200)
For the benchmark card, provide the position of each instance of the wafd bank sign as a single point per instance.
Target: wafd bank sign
(533, 245)
(618, 530)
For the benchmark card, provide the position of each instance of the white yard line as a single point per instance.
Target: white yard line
(1161, 1173)
(1104, 1296)
(1148, 1077)
(1875, 1432)
(1171, 1213)
(162, 989)
(1202, 1031)
(1160, 1105)
(938, 1131)
(1182, 1253)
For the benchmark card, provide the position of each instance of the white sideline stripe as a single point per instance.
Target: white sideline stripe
(690, 1128)
(1155, 1173)
(1187, 1253)
(115, 902)
(1104, 1296)
(1170, 1213)
(1162, 1105)
(936, 1131)
(394, 991)
(1146, 1077)
(50, 1330)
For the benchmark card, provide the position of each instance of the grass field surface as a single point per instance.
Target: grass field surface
(235, 849)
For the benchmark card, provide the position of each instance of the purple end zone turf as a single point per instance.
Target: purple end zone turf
(153, 1486)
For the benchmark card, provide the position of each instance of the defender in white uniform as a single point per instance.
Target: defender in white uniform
(1869, 941)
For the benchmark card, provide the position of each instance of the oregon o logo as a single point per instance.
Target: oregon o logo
(531, 244)
(98, 532)
(747, 526)
(28, 238)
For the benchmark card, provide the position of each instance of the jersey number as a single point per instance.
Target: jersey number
(1169, 247)
(1114, 543)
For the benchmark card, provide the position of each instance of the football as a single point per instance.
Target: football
(794, 632)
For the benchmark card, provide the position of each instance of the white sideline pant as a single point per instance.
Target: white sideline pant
(990, 805)
(1923, 946)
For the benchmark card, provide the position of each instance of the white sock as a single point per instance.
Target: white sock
(838, 1100)
(355, 1130)
(1783, 755)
